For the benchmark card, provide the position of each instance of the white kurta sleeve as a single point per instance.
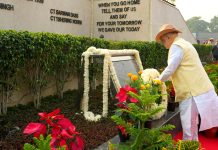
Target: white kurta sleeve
(175, 57)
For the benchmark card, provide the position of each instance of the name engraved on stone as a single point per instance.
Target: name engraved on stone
(8, 7)
(64, 13)
(65, 20)
(56, 15)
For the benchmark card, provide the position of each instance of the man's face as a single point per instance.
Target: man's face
(166, 41)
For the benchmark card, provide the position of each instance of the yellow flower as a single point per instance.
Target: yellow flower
(164, 148)
(129, 74)
(134, 77)
(147, 85)
(140, 72)
(142, 87)
(157, 81)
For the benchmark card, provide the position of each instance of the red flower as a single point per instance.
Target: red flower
(67, 125)
(58, 142)
(172, 92)
(54, 115)
(63, 132)
(123, 96)
(78, 145)
(122, 129)
(35, 128)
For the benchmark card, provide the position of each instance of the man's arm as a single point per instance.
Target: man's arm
(175, 58)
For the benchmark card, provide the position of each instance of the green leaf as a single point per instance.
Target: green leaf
(28, 146)
(43, 143)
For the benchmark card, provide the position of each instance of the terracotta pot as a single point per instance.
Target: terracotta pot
(211, 133)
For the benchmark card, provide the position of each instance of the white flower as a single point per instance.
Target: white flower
(149, 74)
(97, 117)
(91, 117)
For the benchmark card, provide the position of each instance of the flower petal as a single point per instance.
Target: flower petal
(66, 124)
(57, 117)
(122, 95)
(55, 131)
(53, 141)
(54, 113)
(43, 115)
(65, 134)
(78, 144)
(33, 127)
(63, 143)
(133, 100)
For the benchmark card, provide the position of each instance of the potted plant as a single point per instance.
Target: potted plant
(139, 99)
(171, 97)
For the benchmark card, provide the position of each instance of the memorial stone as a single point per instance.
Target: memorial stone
(124, 65)
(136, 20)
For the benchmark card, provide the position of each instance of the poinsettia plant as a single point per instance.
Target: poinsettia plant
(136, 102)
(136, 86)
(61, 130)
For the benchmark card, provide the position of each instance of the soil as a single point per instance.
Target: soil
(93, 133)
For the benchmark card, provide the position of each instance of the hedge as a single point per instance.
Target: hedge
(37, 56)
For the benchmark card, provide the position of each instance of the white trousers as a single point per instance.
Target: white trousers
(206, 105)
(189, 119)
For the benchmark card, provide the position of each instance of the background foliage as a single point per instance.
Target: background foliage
(36, 57)
(196, 24)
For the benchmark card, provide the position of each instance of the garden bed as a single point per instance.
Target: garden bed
(93, 133)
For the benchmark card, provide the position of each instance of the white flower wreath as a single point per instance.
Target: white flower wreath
(107, 66)
(147, 76)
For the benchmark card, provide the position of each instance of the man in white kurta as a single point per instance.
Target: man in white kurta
(194, 91)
